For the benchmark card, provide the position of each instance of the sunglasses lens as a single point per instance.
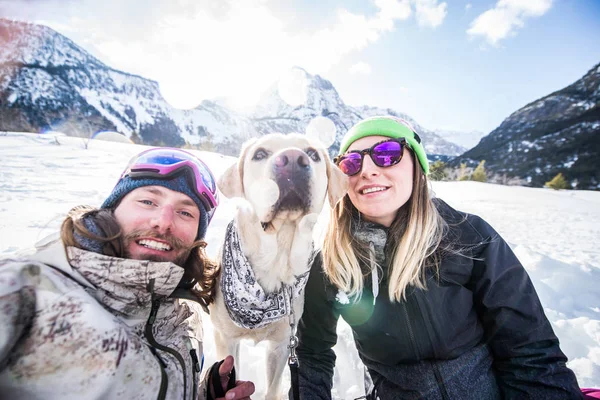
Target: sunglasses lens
(351, 163)
(387, 153)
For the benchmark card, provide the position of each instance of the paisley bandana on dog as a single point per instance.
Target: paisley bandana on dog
(249, 306)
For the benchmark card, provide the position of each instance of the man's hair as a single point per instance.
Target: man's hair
(413, 243)
(198, 266)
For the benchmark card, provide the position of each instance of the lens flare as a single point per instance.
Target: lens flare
(322, 129)
(293, 87)
(265, 192)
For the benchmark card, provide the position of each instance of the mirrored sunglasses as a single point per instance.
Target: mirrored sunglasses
(384, 154)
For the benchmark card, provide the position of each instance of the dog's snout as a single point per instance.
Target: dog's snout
(291, 159)
(292, 172)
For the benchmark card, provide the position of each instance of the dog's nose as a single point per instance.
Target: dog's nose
(291, 159)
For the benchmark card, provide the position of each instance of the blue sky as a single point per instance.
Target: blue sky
(463, 65)
(446, 78)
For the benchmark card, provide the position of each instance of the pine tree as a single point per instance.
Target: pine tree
(479, 174)
(462, 172)
(437, 171)
(558, 182)
(135, 138)
(206, 142)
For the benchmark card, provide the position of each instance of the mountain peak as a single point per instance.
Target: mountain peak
(38, 45)
(296, 89)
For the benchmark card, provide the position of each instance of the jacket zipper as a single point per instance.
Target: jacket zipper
(164, 383)
(196, 368)
(434, 365)
(164, 379)
(410, 331)
(440, 381)
(436, 371)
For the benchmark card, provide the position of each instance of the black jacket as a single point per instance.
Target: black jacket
(478, 331)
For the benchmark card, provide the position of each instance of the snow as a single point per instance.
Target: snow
(586, 105)
(342, 297)
(569, 164)
(12, 98)
(39, 82)
(96, 101)
(554, 234)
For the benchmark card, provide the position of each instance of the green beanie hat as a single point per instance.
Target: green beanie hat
(389, 126)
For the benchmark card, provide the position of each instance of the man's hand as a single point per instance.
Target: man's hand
(242, 389)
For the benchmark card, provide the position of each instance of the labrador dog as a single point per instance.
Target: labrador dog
(268, 248)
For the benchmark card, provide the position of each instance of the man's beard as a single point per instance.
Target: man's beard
(178, 246)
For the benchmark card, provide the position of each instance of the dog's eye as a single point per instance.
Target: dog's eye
(313, 154)
(260, 154)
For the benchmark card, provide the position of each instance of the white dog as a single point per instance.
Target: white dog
(268, 247)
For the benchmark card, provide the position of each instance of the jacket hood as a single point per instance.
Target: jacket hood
(51, 251)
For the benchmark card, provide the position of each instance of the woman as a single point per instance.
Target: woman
(439, 306)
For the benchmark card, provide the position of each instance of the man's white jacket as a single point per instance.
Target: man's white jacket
(96, 327)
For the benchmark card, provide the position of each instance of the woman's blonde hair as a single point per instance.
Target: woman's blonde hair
(198, 266)
(413, 240)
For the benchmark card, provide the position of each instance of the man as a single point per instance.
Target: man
(110, 309)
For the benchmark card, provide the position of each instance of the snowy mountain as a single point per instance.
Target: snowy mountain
(47, 82)
(468, 139)
(294, 100)
(318, 97)
(557, 133)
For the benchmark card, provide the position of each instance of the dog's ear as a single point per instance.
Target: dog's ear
(231, 183)
(337, 182)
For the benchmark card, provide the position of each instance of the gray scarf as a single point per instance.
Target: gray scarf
(375, 236)
(372, 233)
(248, 304)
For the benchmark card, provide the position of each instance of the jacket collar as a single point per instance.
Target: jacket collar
(125, 285)
(120, 284)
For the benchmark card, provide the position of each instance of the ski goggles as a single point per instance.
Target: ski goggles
(166, 162)
(384, 154)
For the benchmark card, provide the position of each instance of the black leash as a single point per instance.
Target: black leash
(294, 373)
(293, 358)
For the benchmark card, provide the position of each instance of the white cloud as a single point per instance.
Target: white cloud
(394, 9)
(205, 48)
(360, 68)
(506, 18)
(468, 6)
(430, 13)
